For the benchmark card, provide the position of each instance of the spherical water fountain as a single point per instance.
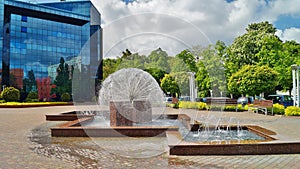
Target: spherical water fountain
(132, 96)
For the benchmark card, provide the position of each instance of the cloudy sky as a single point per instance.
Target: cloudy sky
(177, 24)
(173, 25)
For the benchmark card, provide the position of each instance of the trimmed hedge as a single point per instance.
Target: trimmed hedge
(11, 94)
(229, 108)
(203, 106)
(292, 111)
(192, 105)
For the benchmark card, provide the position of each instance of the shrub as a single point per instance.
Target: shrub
(241, 108)
(65, 97)
(230, 108)
(10, 94)
(292, 111)
(2, 101)
(192, 105)
(201, 106)
(32, 95)
(278, 109)
(173, 105)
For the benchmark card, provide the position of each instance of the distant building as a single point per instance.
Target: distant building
(35, 37)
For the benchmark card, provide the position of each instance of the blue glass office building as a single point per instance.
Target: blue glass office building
(36, 36)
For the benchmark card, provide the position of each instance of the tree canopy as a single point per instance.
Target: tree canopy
(244, 49)
(211, 72)
(218, 66)
(169, 85)
(253, 80)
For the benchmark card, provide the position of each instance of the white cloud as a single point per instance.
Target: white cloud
(285, 7)
(176, 24)
(289, 34)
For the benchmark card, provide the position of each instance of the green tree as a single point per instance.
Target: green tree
(253, 80)
(280, 56)
(211, 72)
(158, 74)
(177, 65)
(290, 54)
(110, 66)
(63, 80)
(126, 54)
(245, 48)
(132, 61)
(169, 85)
(158, 59)
(29, 83)
(189, 59)
(203, 81)
(182, 79)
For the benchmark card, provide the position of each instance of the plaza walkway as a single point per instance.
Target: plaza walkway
(25, 143)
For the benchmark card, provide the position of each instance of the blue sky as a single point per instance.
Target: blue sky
(287, 21)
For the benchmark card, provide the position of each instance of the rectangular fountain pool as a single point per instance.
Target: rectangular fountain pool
(182, 136)
(222, 135)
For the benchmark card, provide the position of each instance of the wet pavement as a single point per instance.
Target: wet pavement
(26, 143)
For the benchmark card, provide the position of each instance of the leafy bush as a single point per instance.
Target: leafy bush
(292, 111)
(173, 105)
(241, 108)
(2, 101)
(201, 106)
(10, 94)
(65, 97)
(229, 108)
(278, 109)
(32, 97)
(192, 105)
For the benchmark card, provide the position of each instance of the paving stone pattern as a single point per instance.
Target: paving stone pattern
(25, 143)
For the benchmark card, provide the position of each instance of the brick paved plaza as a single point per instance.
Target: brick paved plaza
(22, 146)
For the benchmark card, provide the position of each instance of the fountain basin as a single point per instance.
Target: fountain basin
(178, 146)
(177, 143)
(78, 128)
(68, 116)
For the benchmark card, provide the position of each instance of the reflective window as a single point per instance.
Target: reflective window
(24, 19)
(40, 44)
(24, 29)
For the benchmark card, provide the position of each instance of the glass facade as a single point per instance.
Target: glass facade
(36, 36)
